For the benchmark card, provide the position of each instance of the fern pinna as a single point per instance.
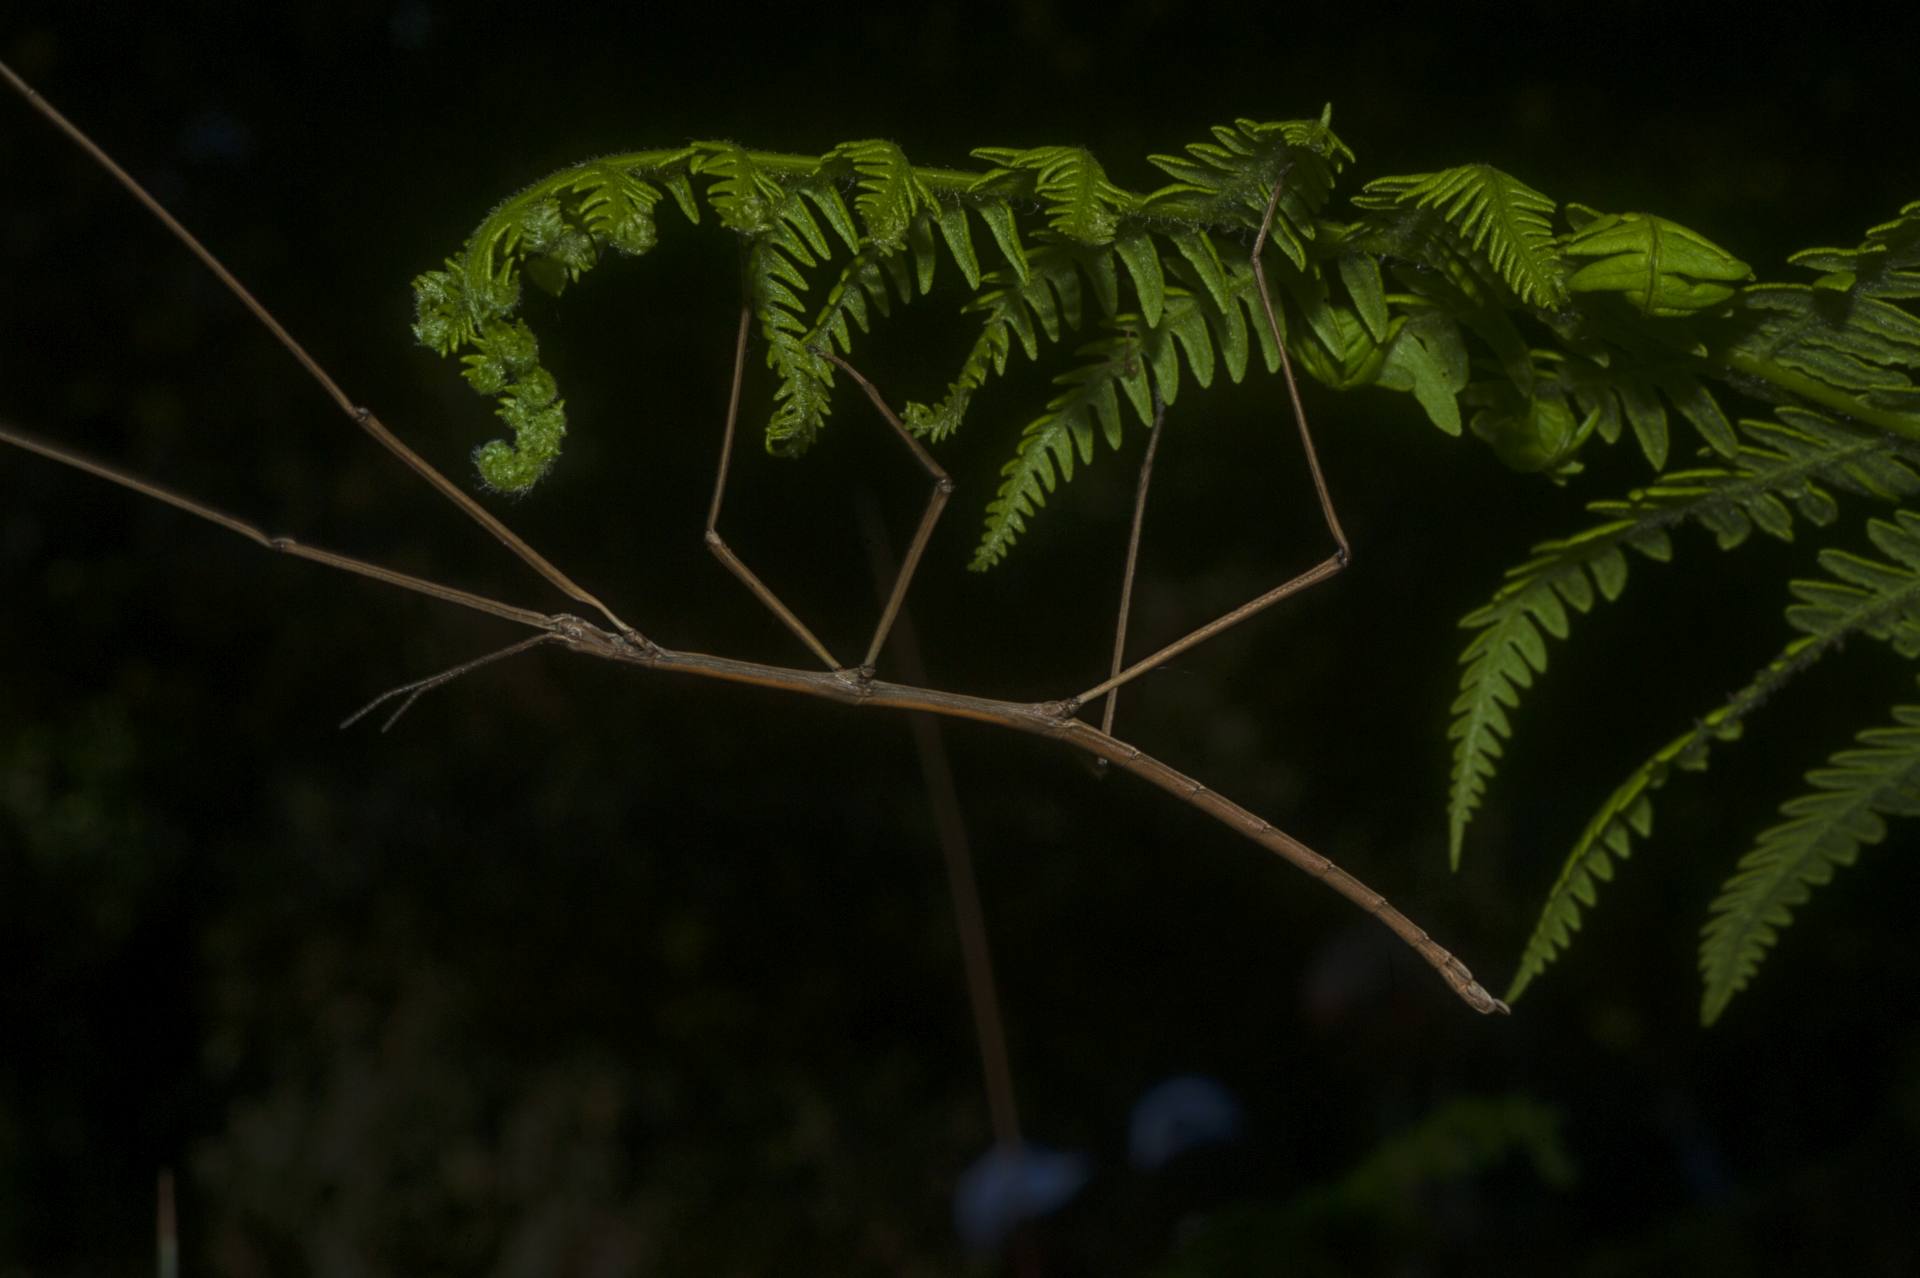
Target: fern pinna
(1541, 326)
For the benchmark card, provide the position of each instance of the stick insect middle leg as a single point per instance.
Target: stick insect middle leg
(936, 502)
(1294, 585)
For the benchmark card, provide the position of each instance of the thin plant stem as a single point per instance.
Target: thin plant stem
(950, 830)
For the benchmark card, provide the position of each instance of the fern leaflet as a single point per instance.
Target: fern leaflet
(1825, 829)
(1780, 470)
(1497, 215)
(1140, 360)
(1082, 205)
(1877, 599)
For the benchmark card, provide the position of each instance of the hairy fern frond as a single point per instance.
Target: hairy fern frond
(1499, 218)
(1824, 830)
(1863, 596)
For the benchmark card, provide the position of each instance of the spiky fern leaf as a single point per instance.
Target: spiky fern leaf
(1081, 204)
(891, 195)
(1787, 466)
(1235, 174)
(1205, 315)
(1042, 299)
(1842, 341)
(1136, 358)
(1499, 218)
(1825, 829)
(784, 240)
(1877, 599)
(1884, 265)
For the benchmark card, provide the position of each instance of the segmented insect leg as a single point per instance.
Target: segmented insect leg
(717, 544)
(1313, 576)
(936, 502)
(1133, 559)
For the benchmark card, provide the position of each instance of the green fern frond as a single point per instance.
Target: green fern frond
(1135, 248)
(745, 194)
(865, 278)
(1853, 352)
(1497, 216)
(1824, 830)
(1205, 314)
(891, 195)
(1635, 389)
(1081, 204)
(1886, 264)
(1508, 649)
(1533, 417)
(1013, 308)
(1234, 291)
(785, 240)
(555, 231)
(1787, 467)
(1537, 414)
(1137, 359)
(1877, 599)
(1234, 176)
(1333, 343)
(1360, 274)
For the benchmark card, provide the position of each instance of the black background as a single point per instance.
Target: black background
(579, 968)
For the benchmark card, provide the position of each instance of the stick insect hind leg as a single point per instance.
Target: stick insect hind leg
(1326, 568)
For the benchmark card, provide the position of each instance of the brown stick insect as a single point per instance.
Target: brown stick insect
(595, 629)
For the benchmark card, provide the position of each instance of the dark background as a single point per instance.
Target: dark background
(582, 971)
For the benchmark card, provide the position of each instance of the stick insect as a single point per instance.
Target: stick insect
(596, 630)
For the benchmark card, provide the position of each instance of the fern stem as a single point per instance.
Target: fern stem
(1801, 386)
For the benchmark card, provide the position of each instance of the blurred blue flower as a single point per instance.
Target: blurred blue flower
(1006, 1187)
(1185, 1112)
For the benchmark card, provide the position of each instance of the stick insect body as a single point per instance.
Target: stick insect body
(612, 638)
